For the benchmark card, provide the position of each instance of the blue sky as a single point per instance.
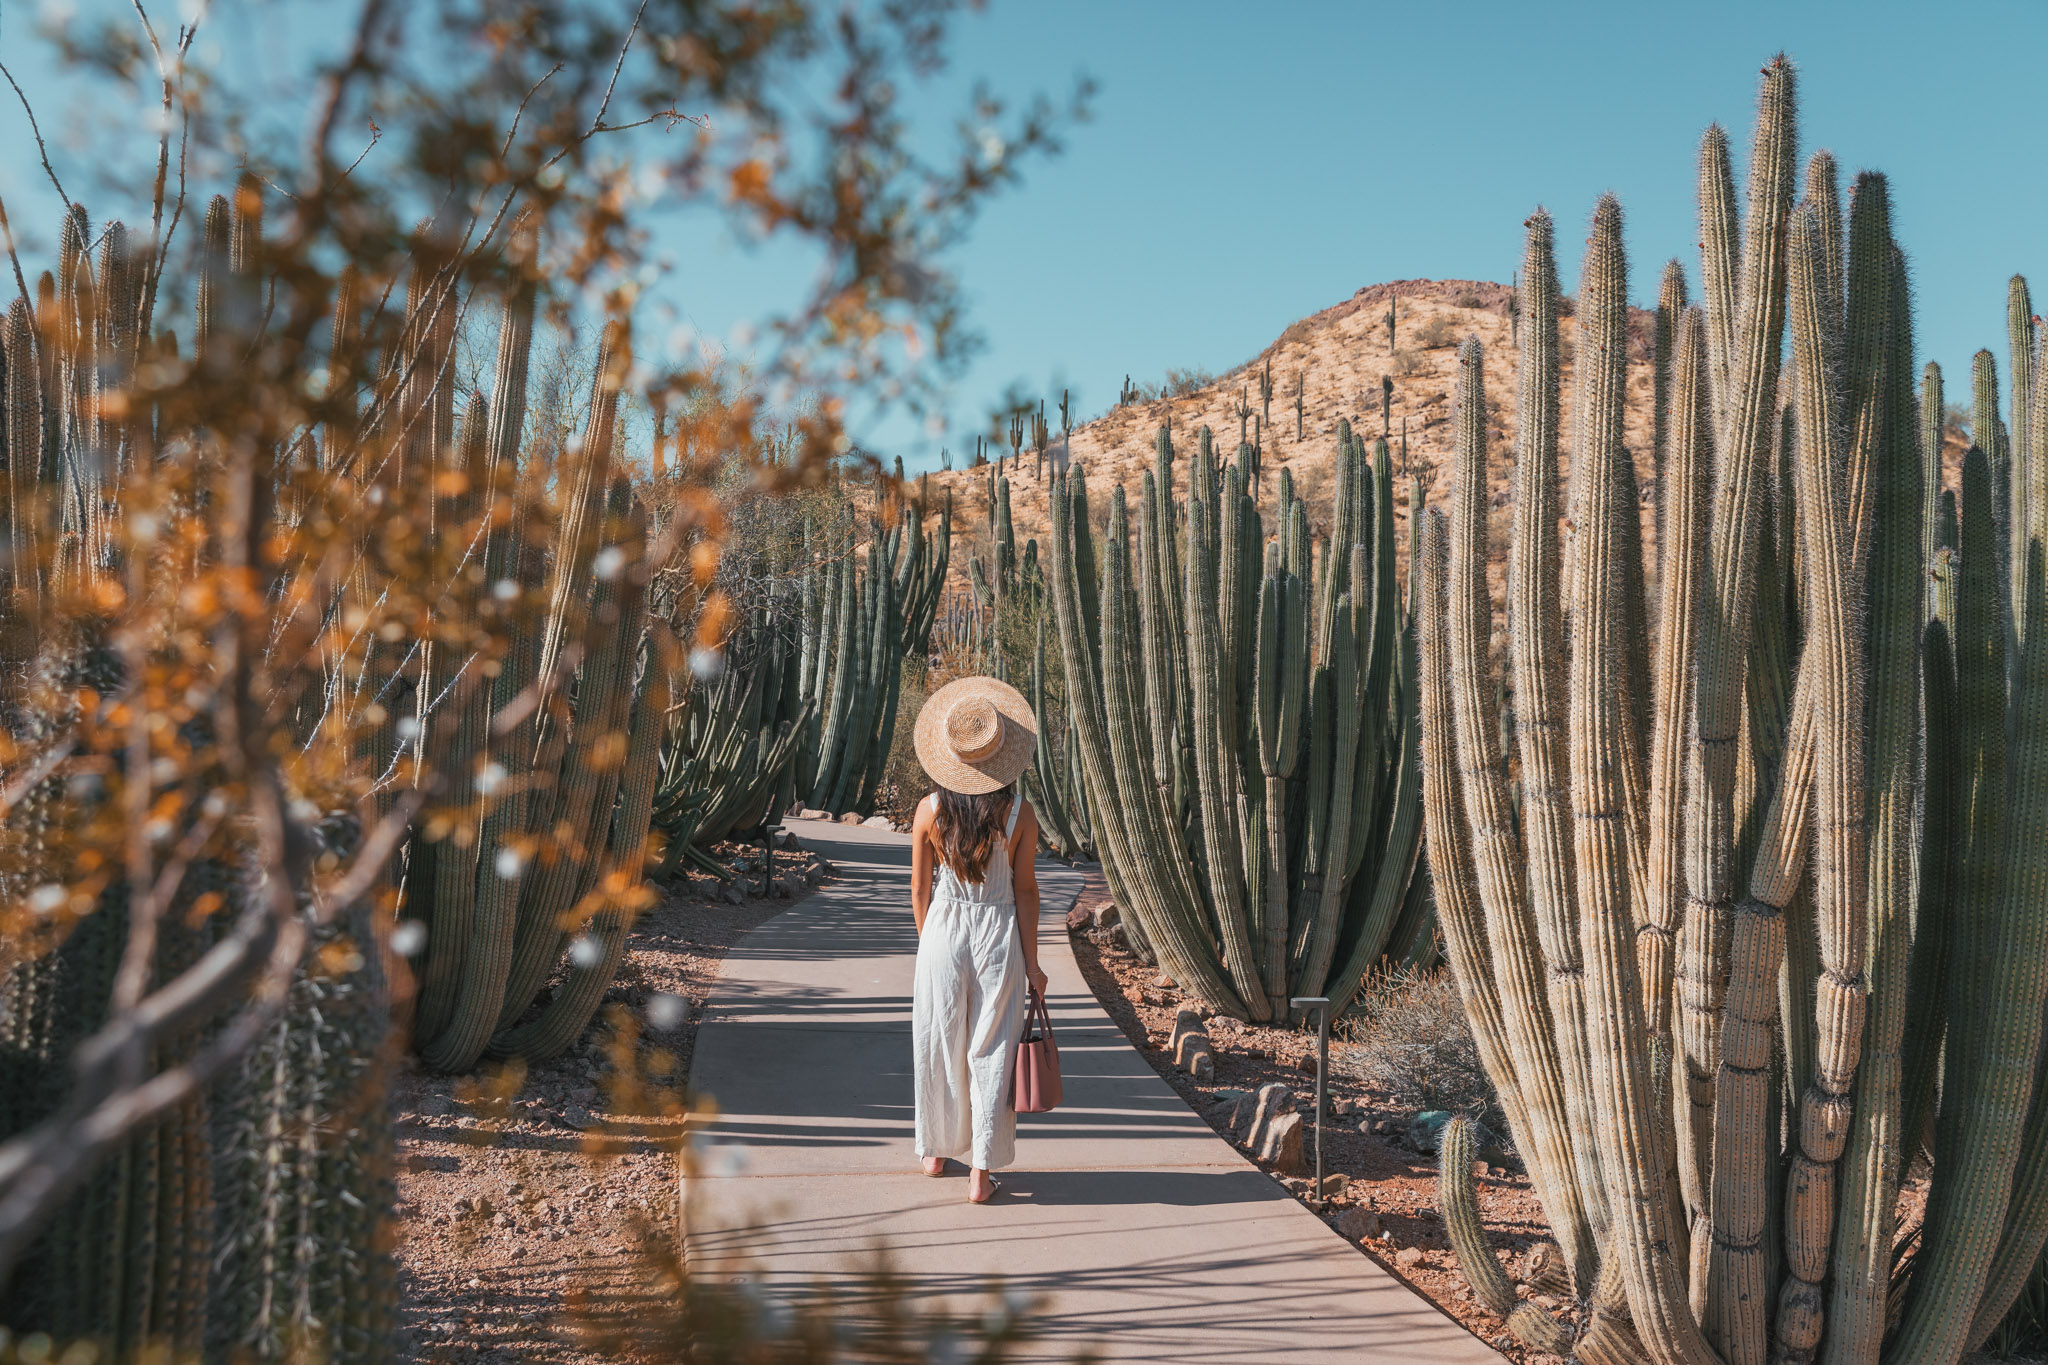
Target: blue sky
(1249, 165)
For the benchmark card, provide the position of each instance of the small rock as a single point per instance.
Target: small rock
(734, 896)
(1107, 914)
(577, 1117)
(1545, 1301)
(1334, 1183)
(1359, 1225)
(879, 822)
(1545, 1269)
(1308, 1063)
(1479, 1170)
(851, 817)
(1163, 982)
(809, 814)
(1228, 1093)
(437, 1105)
(1425, 1127)
(1408, 1257)
(1202, 1065)
(1077, 918)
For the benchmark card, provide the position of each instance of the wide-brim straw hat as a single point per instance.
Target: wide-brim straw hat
(976, 735)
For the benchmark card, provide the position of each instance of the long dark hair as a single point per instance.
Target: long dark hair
(969, 829)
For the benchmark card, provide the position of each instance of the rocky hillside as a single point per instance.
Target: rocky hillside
(1336, 359)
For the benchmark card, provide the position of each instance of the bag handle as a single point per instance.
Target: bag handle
(1035, 1012)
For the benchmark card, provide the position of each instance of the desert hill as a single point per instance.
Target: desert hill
(1337, 358)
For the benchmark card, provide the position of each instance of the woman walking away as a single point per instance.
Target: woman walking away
(977, 929)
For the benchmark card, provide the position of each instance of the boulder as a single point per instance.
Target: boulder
(1360, 1225)
(1077, 918)
(1189, 1045)
(1280, 1146)
(1272, 1101)
(851, 817)
(1107, 914)
(1243, 1111)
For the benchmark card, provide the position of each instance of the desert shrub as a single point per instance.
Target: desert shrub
(1406, 1037)
(1437, 331)
(1408, 364)
(1465, 299)
(1178, 383)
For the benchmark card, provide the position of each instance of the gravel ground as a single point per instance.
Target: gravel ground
(533, 1205)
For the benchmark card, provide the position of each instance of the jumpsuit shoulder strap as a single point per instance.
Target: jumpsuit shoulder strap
(1016, 805)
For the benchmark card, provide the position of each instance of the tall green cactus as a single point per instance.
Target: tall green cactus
(1863, 762)
(874, 622)
(1253, 721)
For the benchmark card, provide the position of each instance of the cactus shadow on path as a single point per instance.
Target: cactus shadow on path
(1145, 1235)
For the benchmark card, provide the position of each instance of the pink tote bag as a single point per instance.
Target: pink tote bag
(1035, 1065)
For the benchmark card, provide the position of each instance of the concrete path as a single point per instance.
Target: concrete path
(1146, 1236)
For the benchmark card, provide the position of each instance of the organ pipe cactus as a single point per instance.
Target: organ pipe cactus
(1246, 723)
(875, 620)
(1458, 1200)
(730, 744)
(1877, 749)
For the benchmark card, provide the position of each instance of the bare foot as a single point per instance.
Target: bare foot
(981, 1186)
(934, 1165)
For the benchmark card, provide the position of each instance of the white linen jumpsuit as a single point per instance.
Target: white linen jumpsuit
(966, 1011)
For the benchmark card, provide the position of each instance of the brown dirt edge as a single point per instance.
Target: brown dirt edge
(1386, 1176)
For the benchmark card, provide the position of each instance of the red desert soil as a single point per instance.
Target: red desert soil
(525, 1201)
(1383, 1173)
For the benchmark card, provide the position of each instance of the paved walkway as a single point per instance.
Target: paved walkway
(1147, 1236)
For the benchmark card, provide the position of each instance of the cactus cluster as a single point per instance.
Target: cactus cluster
(1767, 924)
(1245, 715)
(861, 621)
(247, 1221)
